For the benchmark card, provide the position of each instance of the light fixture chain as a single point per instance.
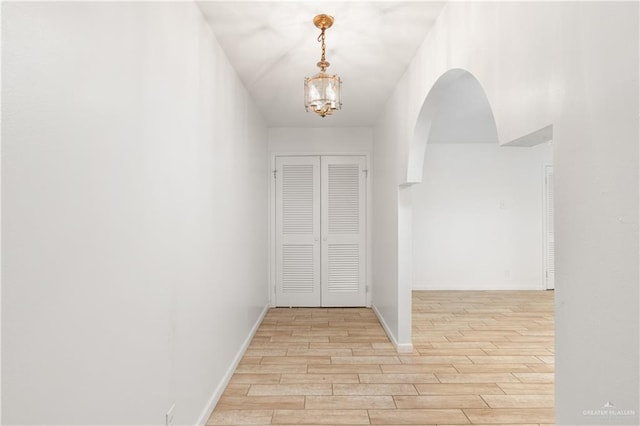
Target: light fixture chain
(322, 57)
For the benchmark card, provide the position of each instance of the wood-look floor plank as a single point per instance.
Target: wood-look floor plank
(535, 377)
(417, 417)
(510, 415)
(506, 359)
(459, 389)
(263, 379)
(297, 389)
(476, 378)
(440, 401)
(519, 401)
(527, 388)
(319, 352)
(379, 360)
(541, 368)
(320, 417)
(288, 360)
(236, 390)
(319, 378)
(374, 389)
(452, 351)
(418, 368)
(432, 359)
(250, 360)
(358, 402)
(266, 369)
(240, 417)
(343, 368)
(230, 402)
(482, 357)
(493, 368)
(398, 378)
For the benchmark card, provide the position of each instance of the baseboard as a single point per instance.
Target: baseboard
(400, 347)
(475, 287)
(202, 420)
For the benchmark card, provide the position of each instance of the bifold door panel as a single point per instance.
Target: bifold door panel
(343, 231)
(320, 231)
(298, 231)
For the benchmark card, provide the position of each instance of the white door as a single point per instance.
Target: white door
(320, 231)
(297, 231)
(549, 239)
(343, 231)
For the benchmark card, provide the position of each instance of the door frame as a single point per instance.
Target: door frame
(545, 234)
(271, 217)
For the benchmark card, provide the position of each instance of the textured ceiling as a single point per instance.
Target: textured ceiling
(273, 46)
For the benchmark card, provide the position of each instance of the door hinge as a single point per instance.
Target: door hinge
(366, 173)
(275, 172)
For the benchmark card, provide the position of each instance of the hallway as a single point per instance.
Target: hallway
(479, 358)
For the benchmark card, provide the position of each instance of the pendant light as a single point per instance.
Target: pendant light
(322, 91)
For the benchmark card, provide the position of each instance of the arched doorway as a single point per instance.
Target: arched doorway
(456, 97)
(452, 88)
(495, 235)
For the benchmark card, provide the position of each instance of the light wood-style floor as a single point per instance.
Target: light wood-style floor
(482, 358)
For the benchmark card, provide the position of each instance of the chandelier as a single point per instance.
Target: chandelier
(322, 91)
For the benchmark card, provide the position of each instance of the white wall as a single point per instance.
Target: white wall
(320, 139)
(134, 192)
(384, 219)
(478, 217)
(573, 65)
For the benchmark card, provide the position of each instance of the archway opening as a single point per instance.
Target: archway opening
(456, 110)
(471, 211)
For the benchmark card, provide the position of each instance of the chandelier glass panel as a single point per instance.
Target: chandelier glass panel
(322, 91)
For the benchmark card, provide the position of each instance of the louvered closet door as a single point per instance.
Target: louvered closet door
(298, 231)
(343, 231)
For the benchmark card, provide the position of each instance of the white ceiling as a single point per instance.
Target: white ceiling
(273, 46)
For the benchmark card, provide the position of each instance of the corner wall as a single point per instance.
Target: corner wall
(573, 65)
(134, 196)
